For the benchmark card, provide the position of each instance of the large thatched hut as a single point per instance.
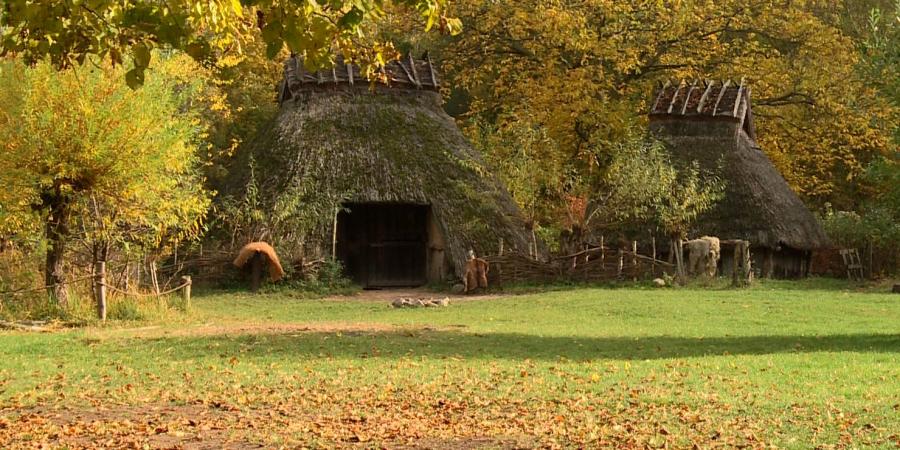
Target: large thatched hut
(412, 196)
(712, 123)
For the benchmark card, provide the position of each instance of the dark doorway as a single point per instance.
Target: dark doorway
(384, 244)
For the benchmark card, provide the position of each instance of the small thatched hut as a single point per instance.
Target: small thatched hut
(414, 196)
(712, 123)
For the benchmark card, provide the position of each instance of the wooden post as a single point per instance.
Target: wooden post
(745, 255)
(621, 263)
(500, 252)
(602, 250)
(257, 262)
(634, 259)
(186, 292)
(100, 280)
(334, 237)
(126, 277)
(155, 280)
(736, 264)
(678, 249)
(871, 261)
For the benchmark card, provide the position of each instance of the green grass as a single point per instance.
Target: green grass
(796, 365)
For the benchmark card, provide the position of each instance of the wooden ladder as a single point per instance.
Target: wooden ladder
(853, 264)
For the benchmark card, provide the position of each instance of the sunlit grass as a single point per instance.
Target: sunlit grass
(795, 364)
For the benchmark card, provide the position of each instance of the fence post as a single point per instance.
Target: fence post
(736, 264)
(100, 281)
(621, 263)
(186, 292)
(678, 249)
(745, 255)
(634, 259)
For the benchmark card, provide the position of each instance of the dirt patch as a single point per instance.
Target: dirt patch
(283, 328)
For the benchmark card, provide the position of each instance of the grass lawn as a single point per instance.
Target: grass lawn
(785, 365)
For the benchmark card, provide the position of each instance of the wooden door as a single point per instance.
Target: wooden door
(384, 245)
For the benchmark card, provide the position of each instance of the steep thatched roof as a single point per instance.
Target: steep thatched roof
(712, 123)
(357, 143)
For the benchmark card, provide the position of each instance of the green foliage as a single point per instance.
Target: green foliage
(529, 163)
(286, 218)
(881, 52)
(327, 280)
(877, 224)
(125, 160)
(641, 185)
(71, 33)
(125, 309)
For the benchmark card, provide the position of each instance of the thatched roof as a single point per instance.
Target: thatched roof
(711, 123)
(405, 73)
(359, 143)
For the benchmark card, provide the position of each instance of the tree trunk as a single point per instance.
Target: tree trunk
(100, 280)
(57, 232)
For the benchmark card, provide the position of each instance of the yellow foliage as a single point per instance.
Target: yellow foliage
(584, 71)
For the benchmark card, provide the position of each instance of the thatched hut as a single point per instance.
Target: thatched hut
(412, 196)
(712, 123)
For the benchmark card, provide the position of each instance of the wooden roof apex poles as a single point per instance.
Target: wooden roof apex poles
(705, 95)
(687, 98)
(415, 73)
(407, 73)
(737, 101)
(721, 94)
(662, 91)
(703, 98)
(675, 96)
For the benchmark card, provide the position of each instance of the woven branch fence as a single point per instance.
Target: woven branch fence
(593, 265)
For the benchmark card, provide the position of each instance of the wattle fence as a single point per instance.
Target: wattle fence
(592, 265)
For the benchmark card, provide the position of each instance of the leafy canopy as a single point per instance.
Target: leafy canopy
(125, 161)
(583, 71)
(70, 31)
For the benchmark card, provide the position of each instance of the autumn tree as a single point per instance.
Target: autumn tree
(69, 33)
(82, 148)
(583, 71)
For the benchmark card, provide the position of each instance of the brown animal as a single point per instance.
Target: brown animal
(476, 273)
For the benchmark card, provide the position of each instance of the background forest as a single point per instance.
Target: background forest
(554, 93)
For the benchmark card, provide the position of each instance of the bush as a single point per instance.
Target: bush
(875, 232)
(328, 279)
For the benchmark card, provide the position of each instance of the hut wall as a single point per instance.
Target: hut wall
(782, 263)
